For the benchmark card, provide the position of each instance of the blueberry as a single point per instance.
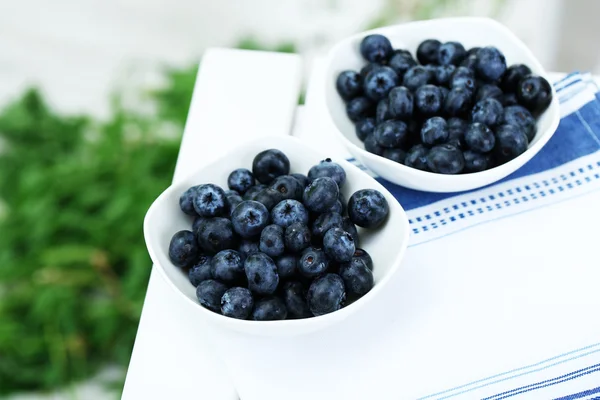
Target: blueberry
(233, 201)
(379, 82)
(269, 198)
(364, 128)
(349, 84)
(512, 76)
(227, 266)
(521, 117)
(382, 113)
(476, 162)
(337, 207)
(417, 157)
(473, 51)
(286, 266)
(325, 222)
(183, 249)
(303, 179)
(463, 77)
(480, 138)
(511, 142)
(360, 108)
(232, 192)
(391, 133)
(428, 100)
(451, 53)
(376, 48)
(427, 52)
(210, 201)
(261, 272)
(372, 146)
(443, 74)
(458, 102)
(401, 103)
(487, 111)
(339, 245)
(456, 132)
(330, 169)
(209, 294)
(269, 309)
(326, 294)
(247, 247)
(357, 277)
(297, 237)
(434, 131)
(491, 64)
(469, 61)
(253, 191)
(288, 186)
(269, 164)
(288, 212)
(320, 195)
(237, 302)
(534, 93)
(196, 224)
(312, 262)
(240, 180)
(368, 208)
(186, 201)
(349, 227)
(201, 270)
(401, 62)
(295, 301)
(509, 99)
(364, 71)
(249, 218)
(361, 254)
(397, 155)
(271, 241)
(445, 159)
(444, 91)
(488, 91)
(416, 77)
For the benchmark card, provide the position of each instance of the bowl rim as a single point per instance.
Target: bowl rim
(491, 173)
(238, 324)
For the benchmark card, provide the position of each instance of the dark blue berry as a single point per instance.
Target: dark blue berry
(326, 294)
(360, 108)
(269, 197)
(473, 51)
(428, 100)
(416, 77)
(401, 103)
(456, 132)
(201, 271)
(320, 195)
(253, 191)
(382, 113)
(401, 62)
(349, 84)
(357, 277)
(269, 164)
(361, 254)
(312, 262)
(463, 77)
(512, 77)
(469, 61)
(397, 155)
(349, 227)
(209, 294)
(434, 131)
(330, 169)
(249, 218)
(183, 249)
(216, 234)
(487, 111)
(491, 64)
(480, 138)
(391, 133)
(269, 309)
(247, 247)
(196, 224)
(364, 71)
(232, 202)
(372, 146)
(451, 53)
(476, 162)
(338, 245)
(232, 192)
(379, 82)
(240, 180)
(427, 52)
(509, 99)
(272, 241)
(295, 300)
(186, 201)
(303, 179)
(364, 128)
(445, 159)
(458, 102)
(297, 237)
(288, 187)
(261, 273)
(488, 91)
(287, 266)
(337, 207)
(237, 302)
(376, 48)
(288, 212)
(511, 142)
(534, 93)
(443, 74)
(325, 222)
(368, 208)
(227, 266)
(417, 157)
(521, 117)
(210, 201)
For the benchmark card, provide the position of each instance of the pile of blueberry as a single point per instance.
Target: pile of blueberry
(285, 247)
(450, 111)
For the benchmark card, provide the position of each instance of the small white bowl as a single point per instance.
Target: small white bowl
(470, 32)
(386, 245)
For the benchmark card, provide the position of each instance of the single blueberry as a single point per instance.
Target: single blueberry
(456, 132)
(320, 195)
(271, 241)
(357, 277)
(287, 266)
(364, 128)
(227, 266)
(237, 302)
(487, 111)
(295, 300)
(391, 133)
(428, 100)
(401, 62)
(443, 74)
(303, 179)
(201, 271)
(379, 82)
(349, 227)
(463, 77)
(249, 218)
(534, 93)
(269, 197)
(210, 201)
(209, 294)
(269, 309)
(338, 245)
(261, 273)
(330, 169)
(401, 103)
(427, 52)
(325, 222)
(488, 91)
(451, 53)
(397, 155)
(232, 202)
(349, 84)
(512, 76)
(337, 207)
(364, 71)
(196, 224)
(469, 61)
(326, 294)
(368, 208)
(269, 164)
(445, 159)
(186, 201)
(253, 191)
(417, 157)
(382, 113)
(216, 234)
(458, 102)
(372, 146)
(434, 131)
(416, 77)
(360, 108)
(288, 212)
(376, 48)
(247, 247)
(240, 180)
(480, 138)
(511, 142)
(362, 255)
(312, 262)
(491, 64)
(476, 162)
(288, 187)
(183, 249)
(297, 237)
(509, 99)
(521, 117)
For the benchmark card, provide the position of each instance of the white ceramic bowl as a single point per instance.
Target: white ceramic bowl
(470, 32)
(386, 245)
